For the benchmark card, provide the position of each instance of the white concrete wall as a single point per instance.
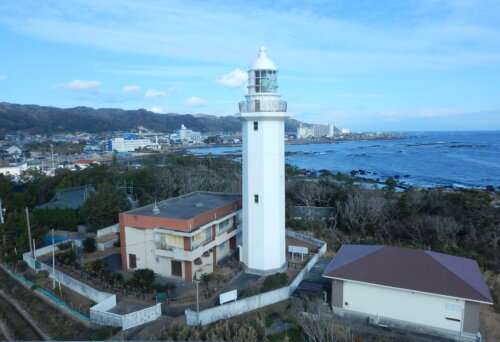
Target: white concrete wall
(238, 307)
(68, 281)
(245, 305)
(264, 175)
(141, 317)
(403, 305)
(101, 246)
(114, 229)
(99, 313)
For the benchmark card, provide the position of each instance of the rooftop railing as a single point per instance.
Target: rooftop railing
(267, 105)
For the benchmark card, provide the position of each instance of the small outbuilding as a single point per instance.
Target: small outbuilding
(408, 288)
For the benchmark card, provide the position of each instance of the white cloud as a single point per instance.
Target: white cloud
(234, 79)
(153, 93)
(157, 110)
(81, 85)
(194, 101)
(131, 88)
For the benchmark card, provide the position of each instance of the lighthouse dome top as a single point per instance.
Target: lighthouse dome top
(263, 62)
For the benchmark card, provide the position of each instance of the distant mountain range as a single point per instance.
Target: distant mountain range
(45, 120)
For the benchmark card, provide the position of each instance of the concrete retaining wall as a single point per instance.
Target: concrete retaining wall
(245, 305)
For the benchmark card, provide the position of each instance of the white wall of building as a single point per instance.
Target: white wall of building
(141, 243)
(130, 145)
(414, 307)
(13, 170)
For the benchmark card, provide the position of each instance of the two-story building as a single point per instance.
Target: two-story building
(181, 237)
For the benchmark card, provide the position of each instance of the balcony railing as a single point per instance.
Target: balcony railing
(166, 247)
(266, 105)
(196, 244)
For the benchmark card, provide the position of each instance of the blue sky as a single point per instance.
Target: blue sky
(366, 65)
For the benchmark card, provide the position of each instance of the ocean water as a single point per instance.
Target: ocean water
(426, 159)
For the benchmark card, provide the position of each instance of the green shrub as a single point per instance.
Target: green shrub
(96, 267)
(66, 258)
(64, 246)
(163, 287)
(89, 245)
(142, 280)
(274, 281)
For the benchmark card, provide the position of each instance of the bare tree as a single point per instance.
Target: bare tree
(317, 322)
(361, 210)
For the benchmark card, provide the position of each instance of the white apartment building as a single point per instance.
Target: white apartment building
(182, 237)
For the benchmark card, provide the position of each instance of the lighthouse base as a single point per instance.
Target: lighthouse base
(280, 269)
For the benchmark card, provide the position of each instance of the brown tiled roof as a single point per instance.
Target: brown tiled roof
(410, 269)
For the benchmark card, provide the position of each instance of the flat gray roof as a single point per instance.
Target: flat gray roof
(187, 206)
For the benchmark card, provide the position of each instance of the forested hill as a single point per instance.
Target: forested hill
(41, 119)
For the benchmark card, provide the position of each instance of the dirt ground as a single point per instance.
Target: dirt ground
(490, 323)
(72, 298)
(52, 321)
(489, 318)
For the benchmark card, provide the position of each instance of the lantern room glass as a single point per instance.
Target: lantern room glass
(266, 81)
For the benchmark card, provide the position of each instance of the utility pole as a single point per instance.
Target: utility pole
(197, 302)
(2, 221)
(2, 212)
(52, 156)
(29, 233)
(53, 261)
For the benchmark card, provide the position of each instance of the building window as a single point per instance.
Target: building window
(176, 268)
(256, 198)
(225, 225)
(132, 261)
(255, 125)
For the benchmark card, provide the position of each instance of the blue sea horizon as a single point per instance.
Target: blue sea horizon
(426, 159)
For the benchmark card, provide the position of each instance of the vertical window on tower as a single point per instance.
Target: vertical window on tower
(255, 125)
(256, 198)
(257, 81)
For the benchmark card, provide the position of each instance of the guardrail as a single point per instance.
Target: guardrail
(265, 105)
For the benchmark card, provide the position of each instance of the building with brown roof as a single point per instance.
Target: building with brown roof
(181, 237)
(418, 287)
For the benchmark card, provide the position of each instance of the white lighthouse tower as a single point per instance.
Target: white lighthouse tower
(263, 116)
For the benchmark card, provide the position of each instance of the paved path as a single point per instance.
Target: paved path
(5, 331)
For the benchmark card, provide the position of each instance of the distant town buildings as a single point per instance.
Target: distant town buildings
(315, 131)
(187, 136)
(13, 169)
(131, 142)
(182, 237)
